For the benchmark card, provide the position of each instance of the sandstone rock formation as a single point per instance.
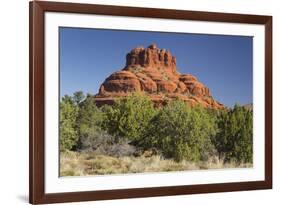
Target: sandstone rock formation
(153, 71)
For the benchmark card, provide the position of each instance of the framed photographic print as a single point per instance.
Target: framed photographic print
(138, 102)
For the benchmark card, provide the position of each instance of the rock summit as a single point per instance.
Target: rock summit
(153, 71)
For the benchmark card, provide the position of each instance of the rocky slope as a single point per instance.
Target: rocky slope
(153, 71)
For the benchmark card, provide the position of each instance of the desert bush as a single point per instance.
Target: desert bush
(68, 115)
(129, 117)
(120, 149)
(104, 144)
(234, 140)
(88, 123)
(181, 132)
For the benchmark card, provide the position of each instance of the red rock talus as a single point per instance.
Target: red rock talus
(153, 71)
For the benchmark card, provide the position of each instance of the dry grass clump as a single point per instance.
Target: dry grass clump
(90, 163)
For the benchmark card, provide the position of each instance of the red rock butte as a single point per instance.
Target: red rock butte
(153, 71)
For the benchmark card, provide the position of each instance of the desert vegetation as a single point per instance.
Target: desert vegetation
(133, 136)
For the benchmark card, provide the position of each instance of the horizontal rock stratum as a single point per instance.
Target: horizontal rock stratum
(153, 71)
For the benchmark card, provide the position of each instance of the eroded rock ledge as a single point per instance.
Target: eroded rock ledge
(153, 71)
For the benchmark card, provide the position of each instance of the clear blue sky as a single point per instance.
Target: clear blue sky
(222, 63)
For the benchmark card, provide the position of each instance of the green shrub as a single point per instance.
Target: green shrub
(181, 132)
(89, 123)
(234, 141)
(68, 115)
(129, 117)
